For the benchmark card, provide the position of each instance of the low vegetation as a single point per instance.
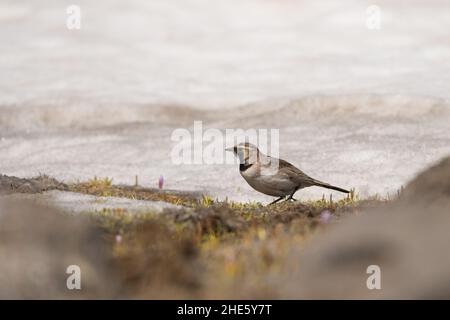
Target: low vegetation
(208, 248)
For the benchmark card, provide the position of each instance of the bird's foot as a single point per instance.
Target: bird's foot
(279, 199)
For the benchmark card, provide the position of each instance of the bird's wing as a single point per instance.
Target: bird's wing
(287, 171)
(293, 173)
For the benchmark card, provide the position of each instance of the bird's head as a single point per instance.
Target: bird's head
(246, 152)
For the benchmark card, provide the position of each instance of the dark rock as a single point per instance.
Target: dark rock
(10, 184)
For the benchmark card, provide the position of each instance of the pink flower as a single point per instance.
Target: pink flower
(161, 182)
(118, 238)
(325, 216)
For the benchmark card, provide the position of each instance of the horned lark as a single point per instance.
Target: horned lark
(272, 176)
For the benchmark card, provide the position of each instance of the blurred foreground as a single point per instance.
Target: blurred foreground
(206, 249)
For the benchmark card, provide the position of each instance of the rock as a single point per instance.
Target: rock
(38, 244)
(407, 239)
(9, 184)
(72, 202)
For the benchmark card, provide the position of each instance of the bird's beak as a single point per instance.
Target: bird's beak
(230, 149)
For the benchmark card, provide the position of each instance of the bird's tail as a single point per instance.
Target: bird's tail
(329, 186)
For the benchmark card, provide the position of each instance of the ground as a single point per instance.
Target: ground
(198, 247)
(209, 249)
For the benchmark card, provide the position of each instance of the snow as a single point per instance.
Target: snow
(355, 107)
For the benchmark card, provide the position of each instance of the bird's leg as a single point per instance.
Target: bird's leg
(273, 202)
(291, 196)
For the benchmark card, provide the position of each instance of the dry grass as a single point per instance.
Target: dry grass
(209, 249)
(203, 249)
(103, 187)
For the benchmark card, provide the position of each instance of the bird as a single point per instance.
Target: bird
(272, 176)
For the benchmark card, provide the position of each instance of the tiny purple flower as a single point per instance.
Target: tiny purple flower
(325, 216)
(161, 182)
(118, 238)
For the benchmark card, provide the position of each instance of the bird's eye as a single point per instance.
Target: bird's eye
(235, 149)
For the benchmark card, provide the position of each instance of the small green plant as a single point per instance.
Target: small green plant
(207, 201)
